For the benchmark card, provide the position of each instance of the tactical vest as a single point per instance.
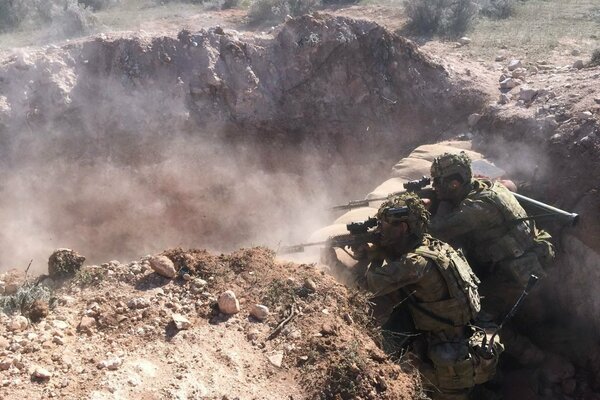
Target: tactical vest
(509, 239)
(463, 303)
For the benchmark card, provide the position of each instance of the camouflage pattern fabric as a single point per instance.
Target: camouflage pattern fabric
(502, 250)
(443, 299)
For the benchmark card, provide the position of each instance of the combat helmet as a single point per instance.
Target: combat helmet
(407, 207)
(452, 164)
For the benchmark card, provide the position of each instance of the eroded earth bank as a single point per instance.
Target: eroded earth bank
(128, 145)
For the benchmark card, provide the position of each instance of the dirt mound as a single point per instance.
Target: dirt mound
(111, 333)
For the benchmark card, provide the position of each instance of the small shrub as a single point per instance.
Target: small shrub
(497, 9)
(25, 297)
(442, 17)
(65, 17)
(595, 60)
(88, 276)
(275, 11)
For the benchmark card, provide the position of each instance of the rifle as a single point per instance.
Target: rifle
(419, 186)
(360, 233)
(488, 349)
(411, 186)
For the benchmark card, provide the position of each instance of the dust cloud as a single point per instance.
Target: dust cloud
(133, 176)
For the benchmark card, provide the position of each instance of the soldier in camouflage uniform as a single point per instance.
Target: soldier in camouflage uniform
(504, 249)
(440, 290)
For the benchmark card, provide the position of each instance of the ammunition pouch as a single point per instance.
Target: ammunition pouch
(484, 362)
(512, 244)
(463, 365)
(453, 366)
(519, 269)
(428, 316)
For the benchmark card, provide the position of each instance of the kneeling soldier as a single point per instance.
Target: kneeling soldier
(440, 290)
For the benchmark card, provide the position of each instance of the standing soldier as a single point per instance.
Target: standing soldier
(440, 290)
(504, 248)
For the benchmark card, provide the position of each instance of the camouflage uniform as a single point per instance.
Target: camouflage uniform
(441, 293)
(503, 249)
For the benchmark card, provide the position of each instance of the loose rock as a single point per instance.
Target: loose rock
(180, 321)
(509, 83)
(578, 64)
(527, 94)
(228, 303)
(162, 265)
(276, 358)
(86, 324)
(514, 64)
(18, 324)
(259, 312)
(64, 263)
(42, 374)
(111, 363)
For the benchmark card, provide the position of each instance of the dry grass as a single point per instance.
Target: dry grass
(541, 29)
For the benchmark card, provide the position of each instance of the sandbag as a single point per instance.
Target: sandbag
(327, 232)
(357, 215)
(430, 151)
(411, 168)
(390, 186)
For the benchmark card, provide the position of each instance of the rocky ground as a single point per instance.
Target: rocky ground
(235, 326)
(339, 89)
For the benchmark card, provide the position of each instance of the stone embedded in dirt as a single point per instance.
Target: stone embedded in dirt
(473, 119)
(180, 321)
(504, 98)
(86, 324)
(464, 40)
(228, 303)
(527, 94)
(310, 285)
(18, 324)
(514, 64)
(500, 58)
(111, 363)
(41, 374)
(509, 83)
(328, 329)
(276, 358)
(38, 310)
(578, 64)
(519, 73)
(575, 52)
(64, 263)
(597, 100)
(586, 115)
(162, 265)
(259, 312)
(6, 363)
(138, 303)
(58, 324)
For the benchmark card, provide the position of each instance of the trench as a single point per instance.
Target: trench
(119, 147)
